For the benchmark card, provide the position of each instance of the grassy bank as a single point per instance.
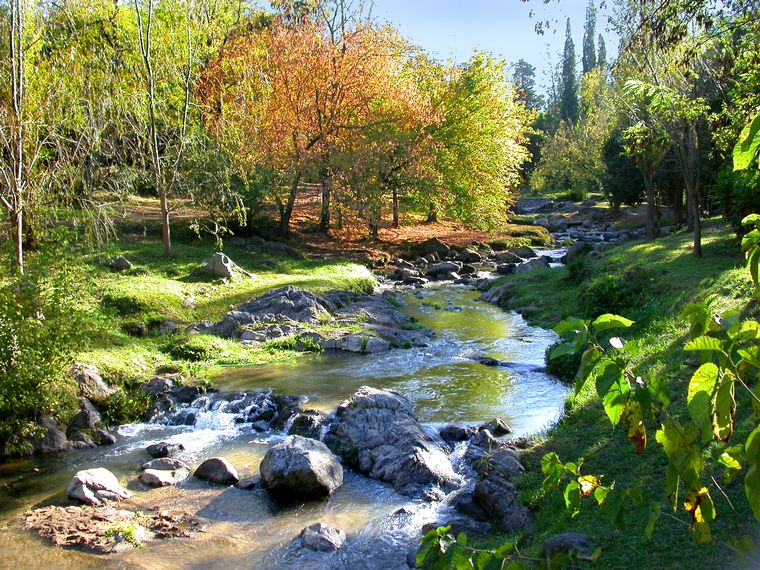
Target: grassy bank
(650, 283)
(128, 307)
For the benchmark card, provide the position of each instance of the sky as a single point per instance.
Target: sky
(453, 29)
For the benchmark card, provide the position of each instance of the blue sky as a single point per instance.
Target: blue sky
(452, 29)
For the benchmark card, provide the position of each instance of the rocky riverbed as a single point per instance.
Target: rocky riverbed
(371, 434)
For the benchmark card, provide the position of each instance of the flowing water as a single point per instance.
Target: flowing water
(247, 530)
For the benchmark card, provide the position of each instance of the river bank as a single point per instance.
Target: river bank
(650, 283)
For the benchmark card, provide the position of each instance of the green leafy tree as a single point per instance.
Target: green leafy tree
(588, 58)
(568, 83)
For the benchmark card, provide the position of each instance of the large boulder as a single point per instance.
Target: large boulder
(524, 251)
(51, 437)
(507, 257)
(377, 433)
(217, 470)
(164, 449)
(219, 265)
(468, 255)
(499, 499)
(120, 263)
(443, 268)
(535, 263)
(87, 416)
(566, 543)
(299, 467)
(322, 538)
(96, 486)
(295, 304)
(91, 384)
(434, 246)
(163, 477)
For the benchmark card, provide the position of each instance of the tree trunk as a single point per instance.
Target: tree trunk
(651, 207)
(287, 212)
(395, 206)
(17, 80)
(324, 220)
(165, 227)
(432, 213)
(692, 203)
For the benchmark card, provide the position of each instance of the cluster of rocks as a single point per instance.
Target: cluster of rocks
(294, 313)
(443, 262)
(579, 221)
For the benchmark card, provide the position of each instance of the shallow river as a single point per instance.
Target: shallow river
(246, 530)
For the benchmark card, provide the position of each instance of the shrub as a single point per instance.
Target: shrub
(564, 367)
(126, 406)
(615, 293)
(41, 328)
(739, 194)
(194, 348)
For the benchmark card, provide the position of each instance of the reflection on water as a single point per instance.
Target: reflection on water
(247, 530)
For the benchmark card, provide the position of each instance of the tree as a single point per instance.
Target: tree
(568, 88)
(589, 32)
(601, 58)
(524, 80)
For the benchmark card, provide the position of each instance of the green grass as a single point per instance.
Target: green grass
(673, 278)
(173, 290)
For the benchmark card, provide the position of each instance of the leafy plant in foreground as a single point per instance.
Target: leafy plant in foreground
(729, 350)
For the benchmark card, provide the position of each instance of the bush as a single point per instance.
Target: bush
(41, 328)
(126, 406)
(739, 194)
(563, 367)
(616, 294)
(194, 348)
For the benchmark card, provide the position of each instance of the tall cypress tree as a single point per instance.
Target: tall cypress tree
(568, 87)
(602, 54)
(589, 33)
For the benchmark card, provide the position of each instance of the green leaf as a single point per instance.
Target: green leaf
(746, 330)
(589, 361)
(573, 498)
(746, 149)
(699, 398)
(731, 459)
(751, 219)
(609, 321)
(600, 494)
(504, 550)
(562, 349)
(571, 325)
(725, 405)
(615, 400)
(704, 344)
(650, 518)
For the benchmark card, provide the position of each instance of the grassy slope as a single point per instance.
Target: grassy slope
(159, 296)
(674, 278)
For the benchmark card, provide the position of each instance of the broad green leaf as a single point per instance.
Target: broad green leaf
(600, 494)
(752, 489)
(699, 398)
(725, 405)
(504, 549)
(562, 349)
(615, 400)
(607, 375)
(483, 560)
(589, 361)
(651, 515)
(751, 219)
(609, 321)
(573, 498)
(704, 344)
(746, 330)
(753, 264)
(571, 325)
(746, 149)
(731, 459)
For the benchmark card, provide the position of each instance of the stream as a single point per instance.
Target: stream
(246, 529)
